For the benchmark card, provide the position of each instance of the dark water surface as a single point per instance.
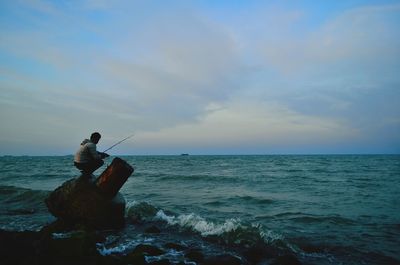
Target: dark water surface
(327, 209)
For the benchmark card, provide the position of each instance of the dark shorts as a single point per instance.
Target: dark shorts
(90, 167)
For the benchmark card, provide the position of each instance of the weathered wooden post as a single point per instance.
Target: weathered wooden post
(112, 179)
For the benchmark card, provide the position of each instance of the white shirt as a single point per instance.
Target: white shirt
(87, 152)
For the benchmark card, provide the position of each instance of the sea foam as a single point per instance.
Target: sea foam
(198, 223)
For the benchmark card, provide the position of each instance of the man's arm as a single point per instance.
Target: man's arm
(103, 155)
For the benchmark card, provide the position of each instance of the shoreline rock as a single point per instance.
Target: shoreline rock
(97, 204)
(79, 201)
(63, 243)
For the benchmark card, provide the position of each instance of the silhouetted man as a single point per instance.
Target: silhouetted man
(87, 159)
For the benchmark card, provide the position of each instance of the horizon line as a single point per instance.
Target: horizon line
(188, 154)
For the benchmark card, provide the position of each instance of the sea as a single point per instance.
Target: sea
(325, 209)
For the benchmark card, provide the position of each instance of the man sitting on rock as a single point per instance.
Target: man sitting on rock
(87, 159)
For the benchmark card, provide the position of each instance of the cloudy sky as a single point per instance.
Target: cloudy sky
(200, 76)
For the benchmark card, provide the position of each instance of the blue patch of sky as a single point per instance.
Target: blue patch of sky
(26, 66)
(316, 12)
(9, 19)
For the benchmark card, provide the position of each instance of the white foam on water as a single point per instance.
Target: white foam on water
(104, 251)
(60, 235)
(270, 236)
(129, 204)
(177, 256)
(122, 247)
(198, 223)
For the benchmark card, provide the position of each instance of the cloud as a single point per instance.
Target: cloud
(254, 125)
(40, 48)
(170, 83)
(345, 68)
(180, 75)
(186, 61)
(362, 35)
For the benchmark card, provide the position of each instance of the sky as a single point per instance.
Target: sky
(200, 76)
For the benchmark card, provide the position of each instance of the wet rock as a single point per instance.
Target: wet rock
(286, 260)
(79, 201)
(82, 200)
(17, 247)
(175, 246)
(161, 262)
(148, 250)
(73, 244)
(224, 259)
(195, 255)
(152, 230)
(258, 252)
(135, 258)
(103, 260)
(37, 248)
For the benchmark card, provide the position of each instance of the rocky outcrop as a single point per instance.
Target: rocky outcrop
(80, 247)
(94, 203)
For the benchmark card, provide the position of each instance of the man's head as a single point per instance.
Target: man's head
(95, 137)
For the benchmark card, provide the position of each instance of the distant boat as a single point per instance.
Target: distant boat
(184, 154)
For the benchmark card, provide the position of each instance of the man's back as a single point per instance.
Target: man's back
(86, 152)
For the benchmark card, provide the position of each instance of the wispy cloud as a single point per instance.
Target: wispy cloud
(260, 125)
(185, 74)
(363, 35)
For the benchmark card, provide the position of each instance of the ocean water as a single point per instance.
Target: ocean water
(325, 209)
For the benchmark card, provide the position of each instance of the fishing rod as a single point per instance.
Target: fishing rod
(130, 136)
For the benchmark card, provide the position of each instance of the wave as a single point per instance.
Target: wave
(323, 219)
(253, 199)
(22, 209)
(11, 194)
(247, 199)
(190, 177)
(198, 223)
(16, 201)
(310, 218)
(140, 211)
(230, 231)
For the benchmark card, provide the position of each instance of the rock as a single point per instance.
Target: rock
(37, 248)
(160, 262)
(152, 230)
(148, 250)
(135, 258)
(286, 260)
(103, 260)
(224, 259)
(175, 246)
(258, 252)
(195, 255)
(17, 247)
(81, 201)
(73, 244)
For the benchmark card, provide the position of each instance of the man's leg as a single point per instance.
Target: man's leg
(94, 165)
(89, 168)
